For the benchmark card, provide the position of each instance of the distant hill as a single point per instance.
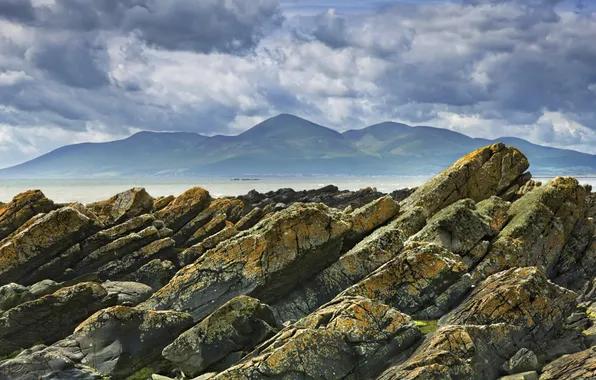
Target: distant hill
(286, 145)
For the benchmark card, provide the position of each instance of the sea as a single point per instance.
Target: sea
(93, 190)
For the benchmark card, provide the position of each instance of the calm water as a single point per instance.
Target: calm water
(92, 190)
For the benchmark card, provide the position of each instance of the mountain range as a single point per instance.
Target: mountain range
(286, 145)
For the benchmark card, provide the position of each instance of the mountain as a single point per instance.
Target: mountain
(286, 145)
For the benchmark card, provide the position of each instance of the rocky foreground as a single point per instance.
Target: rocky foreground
(482, 273)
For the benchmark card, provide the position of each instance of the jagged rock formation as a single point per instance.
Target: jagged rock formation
(482, 273)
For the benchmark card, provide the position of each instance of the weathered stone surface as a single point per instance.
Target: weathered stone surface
(51, 317)
(12, 295)
(265, 262)
(124, 206)
(22, 257)
(485, 172)
(369, 217)
(128, 293)
(160, 203)
(349, 338)
(523, 361)
(530, 375)
(581, 365)
(459, 352)
(109, 235)
(188, 256)
(522, 297)
(424, 281)
(22, 208)
(184, 208)
(250, 220)
(223, 338)
(156, 273)
(45, 287)
(541, 222)
(56, 362)
(209, 221)
(120, 340)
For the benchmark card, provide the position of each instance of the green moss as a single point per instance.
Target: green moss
(142, 374)
(427, 327)
(12, 354)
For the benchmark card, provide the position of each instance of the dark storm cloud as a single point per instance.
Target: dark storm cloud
(197, 25)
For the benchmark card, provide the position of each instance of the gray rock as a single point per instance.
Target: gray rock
(155, 273)
(128, 293)
(13, 294)
(530, 375)
(523, 361)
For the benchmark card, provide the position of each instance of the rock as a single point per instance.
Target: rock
(424, 281)
(184, 208)
(223, 338)
(541, 222)
(521, 297)
(107, 236)
(23, 256)
(265, 262)
(123, 206)
(250, 220)
(349, 338)
(45, 287)
(162, 202)
(22, 208)
(209, 221)
(50, 318)
(59, 361)
(156, 273)
(12, 295)
(523, 361)
(402, 194)
(367, 218)
(120, 340)
(530, 375)
(459, 352)
(128, 293)
(581, 365)
(485, 172)
(188, 256)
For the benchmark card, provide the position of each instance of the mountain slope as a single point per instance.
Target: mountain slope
(286, 145)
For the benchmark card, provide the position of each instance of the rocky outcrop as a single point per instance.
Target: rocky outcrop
(119, 341)
(223, 338)
(23, 257)
(184, 208)
(160, 203)
(13, 294)
(128, 293)
(156, 273)
(22, 208)
(50, 318)
(123, 206)
(264, 262)
(349, 338)
(581, 365)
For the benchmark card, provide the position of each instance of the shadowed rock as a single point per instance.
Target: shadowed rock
(122, 207)
(119, 341)
(155, 273)
(349, 338)
(184, 208)
(581, 365)
(223, 338)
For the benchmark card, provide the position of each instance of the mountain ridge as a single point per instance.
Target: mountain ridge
(285, 145)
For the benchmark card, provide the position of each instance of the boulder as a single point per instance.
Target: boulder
(265, 262)
(184, 208)
(59, 361)
(160, 203)
(521, 297)
(50, 318)
(349, 338)
(156, 273)
(189, 255)
(22, 257)
(128, 293)
(250, 220)
(45, 287)
(424, 281)
(581, 365)
(459, 352)
(120, 340)
(123, 206)
(369, 217)
(523, 361)
(223, 338)
(12, 295)
(22, 208)
(485, 172)
(541, 222)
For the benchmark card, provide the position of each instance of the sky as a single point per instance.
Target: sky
(79, 70)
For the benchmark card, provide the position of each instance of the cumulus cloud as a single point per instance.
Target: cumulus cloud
(487, 68)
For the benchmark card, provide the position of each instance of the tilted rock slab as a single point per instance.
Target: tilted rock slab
(23, 256)
(223, 338)
(123, 206)
(184, 208)
(264, 262)
(349, 338)
(22, 208)
(581, 365)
